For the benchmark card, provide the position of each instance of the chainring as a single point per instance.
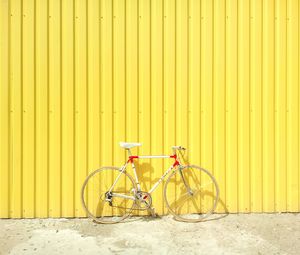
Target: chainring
(144, 200)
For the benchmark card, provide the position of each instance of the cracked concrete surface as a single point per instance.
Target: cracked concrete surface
(225, 234)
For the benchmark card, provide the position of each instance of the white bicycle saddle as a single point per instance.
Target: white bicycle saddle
(129, 145)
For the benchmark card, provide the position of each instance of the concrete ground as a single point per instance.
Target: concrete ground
(226, 234)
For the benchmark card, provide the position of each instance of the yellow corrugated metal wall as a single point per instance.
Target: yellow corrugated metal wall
(219, 77)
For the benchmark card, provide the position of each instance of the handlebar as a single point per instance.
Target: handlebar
(178, 148)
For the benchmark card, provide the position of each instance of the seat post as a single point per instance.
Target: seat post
(129, 152)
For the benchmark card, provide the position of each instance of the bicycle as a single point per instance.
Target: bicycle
(191, 193)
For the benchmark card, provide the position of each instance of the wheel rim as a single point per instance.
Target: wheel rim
(195, 204)
(98, 204)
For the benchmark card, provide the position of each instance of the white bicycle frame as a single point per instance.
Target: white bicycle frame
(130, 160)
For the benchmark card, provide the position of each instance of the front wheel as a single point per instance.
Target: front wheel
(191, 193)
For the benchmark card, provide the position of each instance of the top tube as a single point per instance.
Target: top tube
(155, 156)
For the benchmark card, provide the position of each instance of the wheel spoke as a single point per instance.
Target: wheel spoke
(201, 203)
(202, 186)
(97, 185)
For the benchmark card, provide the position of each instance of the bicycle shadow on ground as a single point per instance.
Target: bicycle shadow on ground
(215, 216)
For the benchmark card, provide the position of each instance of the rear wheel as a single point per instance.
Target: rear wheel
(191, 193)
(103, 205)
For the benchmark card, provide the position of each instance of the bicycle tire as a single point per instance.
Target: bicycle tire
(193, 210)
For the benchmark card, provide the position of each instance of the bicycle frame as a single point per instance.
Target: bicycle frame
(131, 160)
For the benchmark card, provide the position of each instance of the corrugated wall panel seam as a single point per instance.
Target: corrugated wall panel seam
(4, 108)
(218, 77)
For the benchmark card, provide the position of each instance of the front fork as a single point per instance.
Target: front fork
(189, 190)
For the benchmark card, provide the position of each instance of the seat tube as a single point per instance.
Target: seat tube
(136, 177)
(134, 172)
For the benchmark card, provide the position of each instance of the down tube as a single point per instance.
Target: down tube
(160, 180)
